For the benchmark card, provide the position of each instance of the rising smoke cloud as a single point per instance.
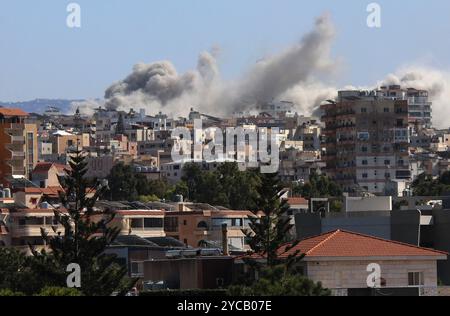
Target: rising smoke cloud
(301, 73)
(291, 73)
(436, 82)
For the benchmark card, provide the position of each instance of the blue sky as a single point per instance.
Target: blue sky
(40, 57)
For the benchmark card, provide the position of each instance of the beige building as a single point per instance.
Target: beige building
(63, 141)
(195, 227)
(142, 223)
(350, 263)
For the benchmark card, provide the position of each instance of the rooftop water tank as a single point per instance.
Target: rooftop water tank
(7, 193)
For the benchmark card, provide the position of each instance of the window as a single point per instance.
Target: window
(136, 223)
(415, 279)
(386, 110)
(363, 136)
(365, 162)
(185, 222)
(387, 162)
(387, 175)
(137, 269)
(153, 222)
(202, 225)
(365, 175)
(363, 110)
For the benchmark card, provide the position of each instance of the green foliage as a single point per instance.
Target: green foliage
(59, 291)
(274, 281)
(226, 186)
(336, 206)
(8, 292)
(148, 198)
(186, 293)
(267, 234)
(319, 186)
(86, 235)
(425, 185)
(125, 184)
(16, 273)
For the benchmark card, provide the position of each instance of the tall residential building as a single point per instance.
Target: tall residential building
(18, 144)
(420, 108)
(367, 141)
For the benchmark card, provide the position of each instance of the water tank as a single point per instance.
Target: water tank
(2, 195)
(179, 198)
(45, 205)
(138, 169)
(7, 193)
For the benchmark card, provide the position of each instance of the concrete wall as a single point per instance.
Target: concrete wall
(195, 273)
(441, 241)
(405, 226)
(353, 274)
(377, 203)
(376, 224)
(373, 224)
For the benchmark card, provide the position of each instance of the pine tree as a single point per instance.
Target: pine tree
(269, 232)
(87, 233)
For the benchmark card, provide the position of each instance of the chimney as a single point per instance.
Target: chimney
(225, 240)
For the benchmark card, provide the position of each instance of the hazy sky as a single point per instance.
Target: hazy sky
(40, 57)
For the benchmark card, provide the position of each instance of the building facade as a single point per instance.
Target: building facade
(18, 144)
(366, 141)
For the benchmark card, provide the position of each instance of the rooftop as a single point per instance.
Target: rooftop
(342, 243)
(12, 112)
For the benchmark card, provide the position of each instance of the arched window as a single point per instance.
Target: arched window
(202, 225)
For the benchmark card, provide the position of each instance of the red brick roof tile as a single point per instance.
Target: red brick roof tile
(347, 244)
(12, 112)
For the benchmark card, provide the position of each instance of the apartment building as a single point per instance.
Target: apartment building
(23, 227)
(419, 107)
(63, 141)
(18, 144)
(366, 140)
(142, 223)
(202, 226)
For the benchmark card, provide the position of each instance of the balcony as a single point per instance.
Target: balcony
(19, 231)
(18, 139)
(18, 154)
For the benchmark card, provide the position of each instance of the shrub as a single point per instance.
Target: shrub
(59, 291)
(189, 293)
(8, 292)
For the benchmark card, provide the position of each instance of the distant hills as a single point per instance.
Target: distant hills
(40, 105)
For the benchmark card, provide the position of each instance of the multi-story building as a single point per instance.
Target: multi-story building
(18, 144)
(420, 108)
(367, 140)
(198, 226)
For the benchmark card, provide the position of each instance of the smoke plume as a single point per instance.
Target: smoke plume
(292, 73)
(436, 82)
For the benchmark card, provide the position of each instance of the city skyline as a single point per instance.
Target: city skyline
(43, 58)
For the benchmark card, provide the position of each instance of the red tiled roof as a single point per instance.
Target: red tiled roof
(12, 112)
(44, 167)
(297, 201)
(3, 229)
(347, 244)
(143, 212)
(53, 191)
